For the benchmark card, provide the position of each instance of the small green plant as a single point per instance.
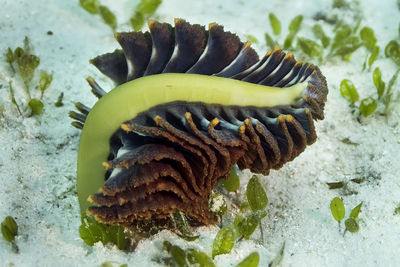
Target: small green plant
(113, 264)
(92, 231)
(23, 62)
(9, 230)
(184, 258)
(59, 102)
(178, 256)
(293, 28)
(320, 34)
(251, 38)
(392, 51)
(143, 11)
(275, 24)
(338, 212)
(256, 195)
(94, 7)
(397, 210)
(278, 258)
(224, 241)
(231, 184)
(250, 261)
(349, 91)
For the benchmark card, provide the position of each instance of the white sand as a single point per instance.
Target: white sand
(38, 154)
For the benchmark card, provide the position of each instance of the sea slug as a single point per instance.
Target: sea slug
(189, 104)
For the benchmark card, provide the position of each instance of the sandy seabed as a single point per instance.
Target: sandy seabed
(38, 154)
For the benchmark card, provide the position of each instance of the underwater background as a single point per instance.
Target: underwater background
(356, 156)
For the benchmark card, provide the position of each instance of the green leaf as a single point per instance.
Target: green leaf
(91, 6)
(387, 98)
(198, 257)
(27, 63)
(44, 81)
(178, 255)
(320, 34)
(250, 261)
(339, 4)
(9, 56)
(295, 24)
(36, 106)
(270, 42)
(374, 56)
(12, 96)
(108, 17)
(368, 37)
(347, 47)
(379, 84)
(348, 91)
(354, 212)
(275, 24)
(9, 229)
(392, 51)
(337, 209)
(351, 225)
(367, 106)
(232, 183)
(341, 35)
(59, 102)
(287, 43)
(245, 226)
(148, 7)
(251, 38)
(92, 231)
(137, 21)
(278, 258)
(309, 47)
(256, 195)
(224, 241)
(144, 9)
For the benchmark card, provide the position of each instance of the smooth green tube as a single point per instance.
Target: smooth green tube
(127, 100)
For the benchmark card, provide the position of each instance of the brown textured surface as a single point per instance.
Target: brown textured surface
(172, 156)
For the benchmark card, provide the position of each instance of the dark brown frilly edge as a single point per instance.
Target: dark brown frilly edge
(171, 156)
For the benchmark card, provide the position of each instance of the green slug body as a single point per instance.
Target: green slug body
(181, 117)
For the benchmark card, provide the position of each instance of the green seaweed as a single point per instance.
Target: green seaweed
(251, 38)
(270, 42)
(337, 209)
(250, 261)
(223, 242)
(246, 226)
(142, 12)
(108, 17)
(9, 230)
(92, 231)
(294, 27)
(12, 96)
(44, 81)
(275, 23)
(59, 102)
(232, 183)
(199, 258)
(368, 37)
(256, 195)
(91, 6)
(392, 51)
(320, 34)
(379, 84)
(309, 47)
(36, 106)
(348, 91)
